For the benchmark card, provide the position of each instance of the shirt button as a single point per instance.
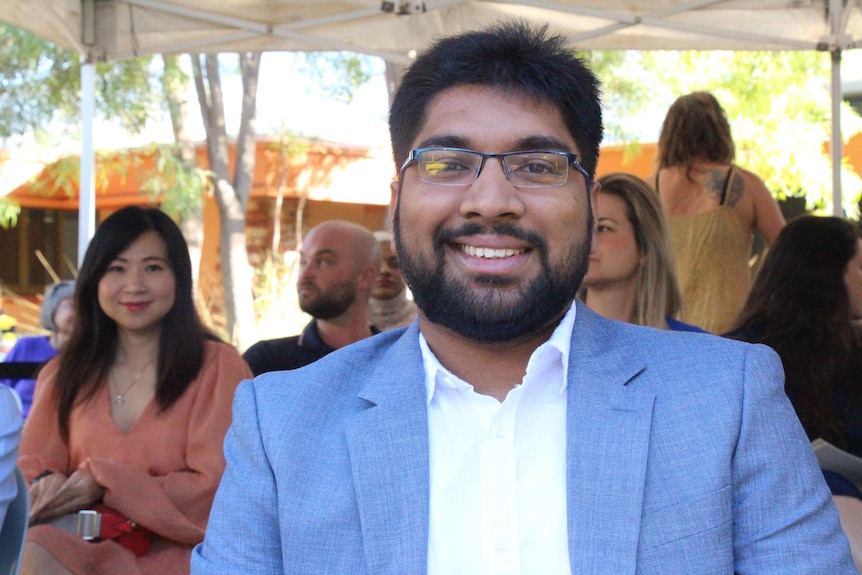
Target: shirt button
(500, 431)
(502, 544)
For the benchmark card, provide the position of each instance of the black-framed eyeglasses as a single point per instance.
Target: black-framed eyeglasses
(524, 169)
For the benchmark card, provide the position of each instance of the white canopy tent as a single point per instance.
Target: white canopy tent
(396, 29)
(392, 29)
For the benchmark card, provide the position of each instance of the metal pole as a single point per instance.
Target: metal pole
(837, 145)
(87, 183)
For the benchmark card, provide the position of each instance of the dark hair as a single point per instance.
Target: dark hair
(85, 362)
(695, 128)
(799, 306)
(513, 57)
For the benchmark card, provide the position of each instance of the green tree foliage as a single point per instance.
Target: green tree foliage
(337, 74)
(9, 211)
(181, 189)
(40, 87)
(778, 105)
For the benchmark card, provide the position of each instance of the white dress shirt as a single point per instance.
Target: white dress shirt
(498, 470)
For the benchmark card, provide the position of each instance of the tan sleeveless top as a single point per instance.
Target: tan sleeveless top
(712, 250)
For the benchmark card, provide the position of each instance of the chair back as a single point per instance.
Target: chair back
(14, 529)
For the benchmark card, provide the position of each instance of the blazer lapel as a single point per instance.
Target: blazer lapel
(388, 445)
(608, 430)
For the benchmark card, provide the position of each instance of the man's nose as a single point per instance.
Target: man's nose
(492, 195)
(306, 273)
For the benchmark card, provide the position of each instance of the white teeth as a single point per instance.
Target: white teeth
(490, 253)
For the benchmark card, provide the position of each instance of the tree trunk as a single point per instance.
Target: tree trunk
(232, 194)
(275, 246)
(175, 86)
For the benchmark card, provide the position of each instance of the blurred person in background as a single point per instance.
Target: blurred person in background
(338, 264)
(631, 275)
(713, 208)
(57, 315)
(805, 302)
(389, 306)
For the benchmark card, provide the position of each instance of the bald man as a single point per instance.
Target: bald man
(338, 264)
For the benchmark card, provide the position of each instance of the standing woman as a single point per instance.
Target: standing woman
(631, 276)
(132, 414)
(713, 207)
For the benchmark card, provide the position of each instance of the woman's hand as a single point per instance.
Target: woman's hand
(42, 492)
(79, 491)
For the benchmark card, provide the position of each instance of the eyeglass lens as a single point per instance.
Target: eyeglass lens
(462, 167)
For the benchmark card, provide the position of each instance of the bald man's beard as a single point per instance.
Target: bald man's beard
(328, 304)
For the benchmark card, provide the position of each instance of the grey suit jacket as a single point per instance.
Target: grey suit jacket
(683, 456)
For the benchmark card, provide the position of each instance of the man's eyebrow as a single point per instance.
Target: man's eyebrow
(541, 143)
(528, 143)
(444, 141)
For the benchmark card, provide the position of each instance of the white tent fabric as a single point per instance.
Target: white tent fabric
(396, 29)
(392, 29)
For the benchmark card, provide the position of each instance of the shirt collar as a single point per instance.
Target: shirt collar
(310, 338)
(560, 340)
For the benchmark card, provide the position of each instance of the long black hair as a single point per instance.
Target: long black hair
(799, 305)
(92, 347)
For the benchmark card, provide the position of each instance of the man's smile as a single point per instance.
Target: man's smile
(490, 253)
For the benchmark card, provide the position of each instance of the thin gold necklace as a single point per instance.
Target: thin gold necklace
(120, 397)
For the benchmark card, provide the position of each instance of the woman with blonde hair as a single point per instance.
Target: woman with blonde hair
(713, 207)
(631, 275)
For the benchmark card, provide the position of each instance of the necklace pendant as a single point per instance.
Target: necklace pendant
(119, 400)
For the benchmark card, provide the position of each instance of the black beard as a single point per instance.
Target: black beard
(485, 316)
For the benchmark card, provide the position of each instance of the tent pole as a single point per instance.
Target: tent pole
(837, 145)
(87, 189)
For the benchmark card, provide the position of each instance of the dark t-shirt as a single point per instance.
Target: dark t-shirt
(288, 352)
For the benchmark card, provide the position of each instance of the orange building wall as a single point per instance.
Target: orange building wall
(635, 159)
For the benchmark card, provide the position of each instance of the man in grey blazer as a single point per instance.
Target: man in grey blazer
(510, 430)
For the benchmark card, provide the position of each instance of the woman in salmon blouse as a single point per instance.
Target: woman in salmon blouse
(132, 415)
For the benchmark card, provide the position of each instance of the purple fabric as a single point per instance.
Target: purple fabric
(33, 348)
